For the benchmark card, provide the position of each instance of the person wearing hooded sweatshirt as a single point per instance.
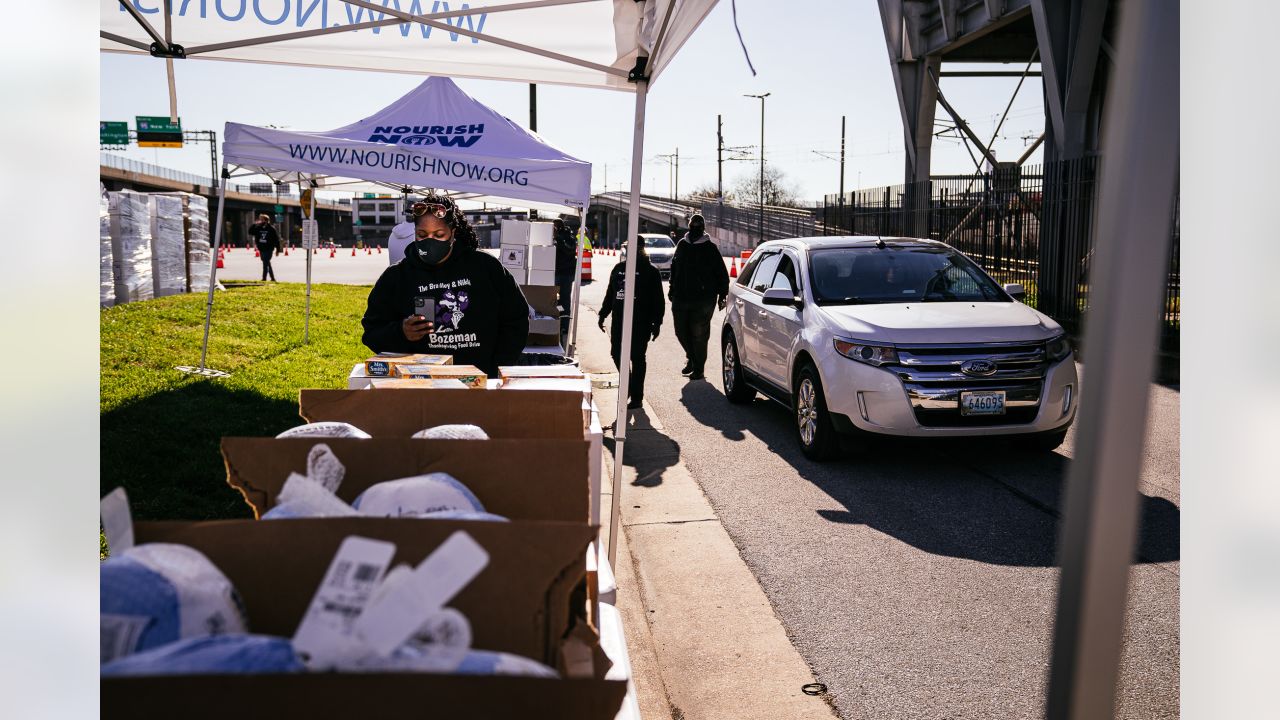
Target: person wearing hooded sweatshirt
(566, 269)
(649, 310)
(481, 317)
(699, 281)
(268, 241)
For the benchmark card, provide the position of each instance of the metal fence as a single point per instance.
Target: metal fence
(1032, 226)
(778, 222)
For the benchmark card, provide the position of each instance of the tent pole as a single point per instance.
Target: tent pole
(213, 264)
(315, 217)
(577, 291)
(628, 311)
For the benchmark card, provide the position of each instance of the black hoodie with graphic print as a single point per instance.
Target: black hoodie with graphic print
(481, 316)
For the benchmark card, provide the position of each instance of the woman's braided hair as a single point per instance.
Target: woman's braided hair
(444, 208)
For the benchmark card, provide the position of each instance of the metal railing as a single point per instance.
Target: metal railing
(779, 222)
(1032, 226)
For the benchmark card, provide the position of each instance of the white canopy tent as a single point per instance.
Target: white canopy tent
(610, 44)
(435, 136)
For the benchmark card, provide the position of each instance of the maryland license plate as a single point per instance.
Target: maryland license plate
(983, 402)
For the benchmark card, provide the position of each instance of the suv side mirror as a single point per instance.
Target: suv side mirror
(778, 296)
(1015, 290)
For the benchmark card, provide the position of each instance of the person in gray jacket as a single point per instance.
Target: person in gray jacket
(699, 281)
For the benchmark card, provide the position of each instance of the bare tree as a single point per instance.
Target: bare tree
(778, 189)
(707, 191)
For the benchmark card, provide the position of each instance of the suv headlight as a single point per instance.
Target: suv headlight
(1057, 348)
(876, 355)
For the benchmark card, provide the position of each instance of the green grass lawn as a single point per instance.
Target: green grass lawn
(161, 428)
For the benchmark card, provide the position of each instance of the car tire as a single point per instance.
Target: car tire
(1045, 442)
(814, 430)
(736, 390)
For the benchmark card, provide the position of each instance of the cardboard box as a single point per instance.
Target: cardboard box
(384, 365)
(542, 278)
(400, 383)
(515, 232)
(469, 375)
(540, 234)
(542, 479)
(545, 302)
(517, 604)
(554, 384)
(523, 415)
(542, 257)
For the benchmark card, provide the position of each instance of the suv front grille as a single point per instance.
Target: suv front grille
(933, 378)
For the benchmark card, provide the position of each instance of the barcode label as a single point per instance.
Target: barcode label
(325, 637)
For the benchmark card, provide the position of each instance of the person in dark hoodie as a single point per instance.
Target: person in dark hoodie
(649, 310)
(699, 281)
(268, 241)
(481, 317)
(566, 269)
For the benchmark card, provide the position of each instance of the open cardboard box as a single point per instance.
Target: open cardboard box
(520, 603)
(533, 414)
(545, 299)
(518, 479)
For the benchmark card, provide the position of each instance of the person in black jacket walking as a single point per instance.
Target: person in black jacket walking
(566, 269)
(699, 281)
(267, 241)
(481, 317)
(646, 322)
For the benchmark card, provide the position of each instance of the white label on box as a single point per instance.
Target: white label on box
(310, 234)
(397, 614)
(117, 521)
(325, 636)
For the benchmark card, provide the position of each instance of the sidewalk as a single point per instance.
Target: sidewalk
(703, 640)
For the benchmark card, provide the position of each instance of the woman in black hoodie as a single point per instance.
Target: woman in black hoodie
(480, 316)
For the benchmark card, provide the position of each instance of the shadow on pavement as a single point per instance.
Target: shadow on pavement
(648, 450)
(982, 500)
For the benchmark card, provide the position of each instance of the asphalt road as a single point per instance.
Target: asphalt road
(917, 580)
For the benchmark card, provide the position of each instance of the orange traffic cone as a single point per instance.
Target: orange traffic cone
(333, 252)
(379, 249)
(256, 253)
(368, 251)
(220, 265)
(353, 251)
(733, 268)
(286, 250)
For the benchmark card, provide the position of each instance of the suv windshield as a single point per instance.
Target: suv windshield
(658, 242)
(851, 276)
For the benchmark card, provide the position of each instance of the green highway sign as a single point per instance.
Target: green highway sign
(113, 133)
(158, 131)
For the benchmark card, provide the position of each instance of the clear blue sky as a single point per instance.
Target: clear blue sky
(819, 59)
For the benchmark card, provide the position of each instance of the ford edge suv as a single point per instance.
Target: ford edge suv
(867, 336)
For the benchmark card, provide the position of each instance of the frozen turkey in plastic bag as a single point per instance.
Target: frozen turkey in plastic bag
(154, 594)
(222, 654)
(417, 496)
(452, 432)
(324, 429)
(465, 515)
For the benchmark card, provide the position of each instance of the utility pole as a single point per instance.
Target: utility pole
(761, 98)
(842, 118)
(533, 107)
(677, 197)
(720, 158)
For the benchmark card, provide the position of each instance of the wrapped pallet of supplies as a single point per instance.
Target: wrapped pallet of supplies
(198, 239)
(168, 245)
(107, 284)
(131, 245)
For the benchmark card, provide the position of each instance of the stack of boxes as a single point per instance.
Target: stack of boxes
(528, 252)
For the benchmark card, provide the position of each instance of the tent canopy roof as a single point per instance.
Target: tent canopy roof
(590, 43)
(436, 136)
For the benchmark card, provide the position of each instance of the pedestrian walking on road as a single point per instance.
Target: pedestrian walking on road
(566, 270)
(267, 241)
(648, 313)
(699, 281)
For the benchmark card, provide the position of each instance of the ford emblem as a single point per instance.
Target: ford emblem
(978, 368)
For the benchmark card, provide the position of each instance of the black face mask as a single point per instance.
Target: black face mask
(695, 231)
(431, 252)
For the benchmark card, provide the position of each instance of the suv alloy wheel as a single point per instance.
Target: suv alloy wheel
(817, 436)
(736, 389)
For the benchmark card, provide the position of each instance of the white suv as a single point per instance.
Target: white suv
(893, 336)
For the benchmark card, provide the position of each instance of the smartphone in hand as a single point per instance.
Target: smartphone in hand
(425, 308)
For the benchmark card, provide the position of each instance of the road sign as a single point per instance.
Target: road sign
(307, 202)
(279, 208)
(310, 234)
(158, 131)
(113, 133)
